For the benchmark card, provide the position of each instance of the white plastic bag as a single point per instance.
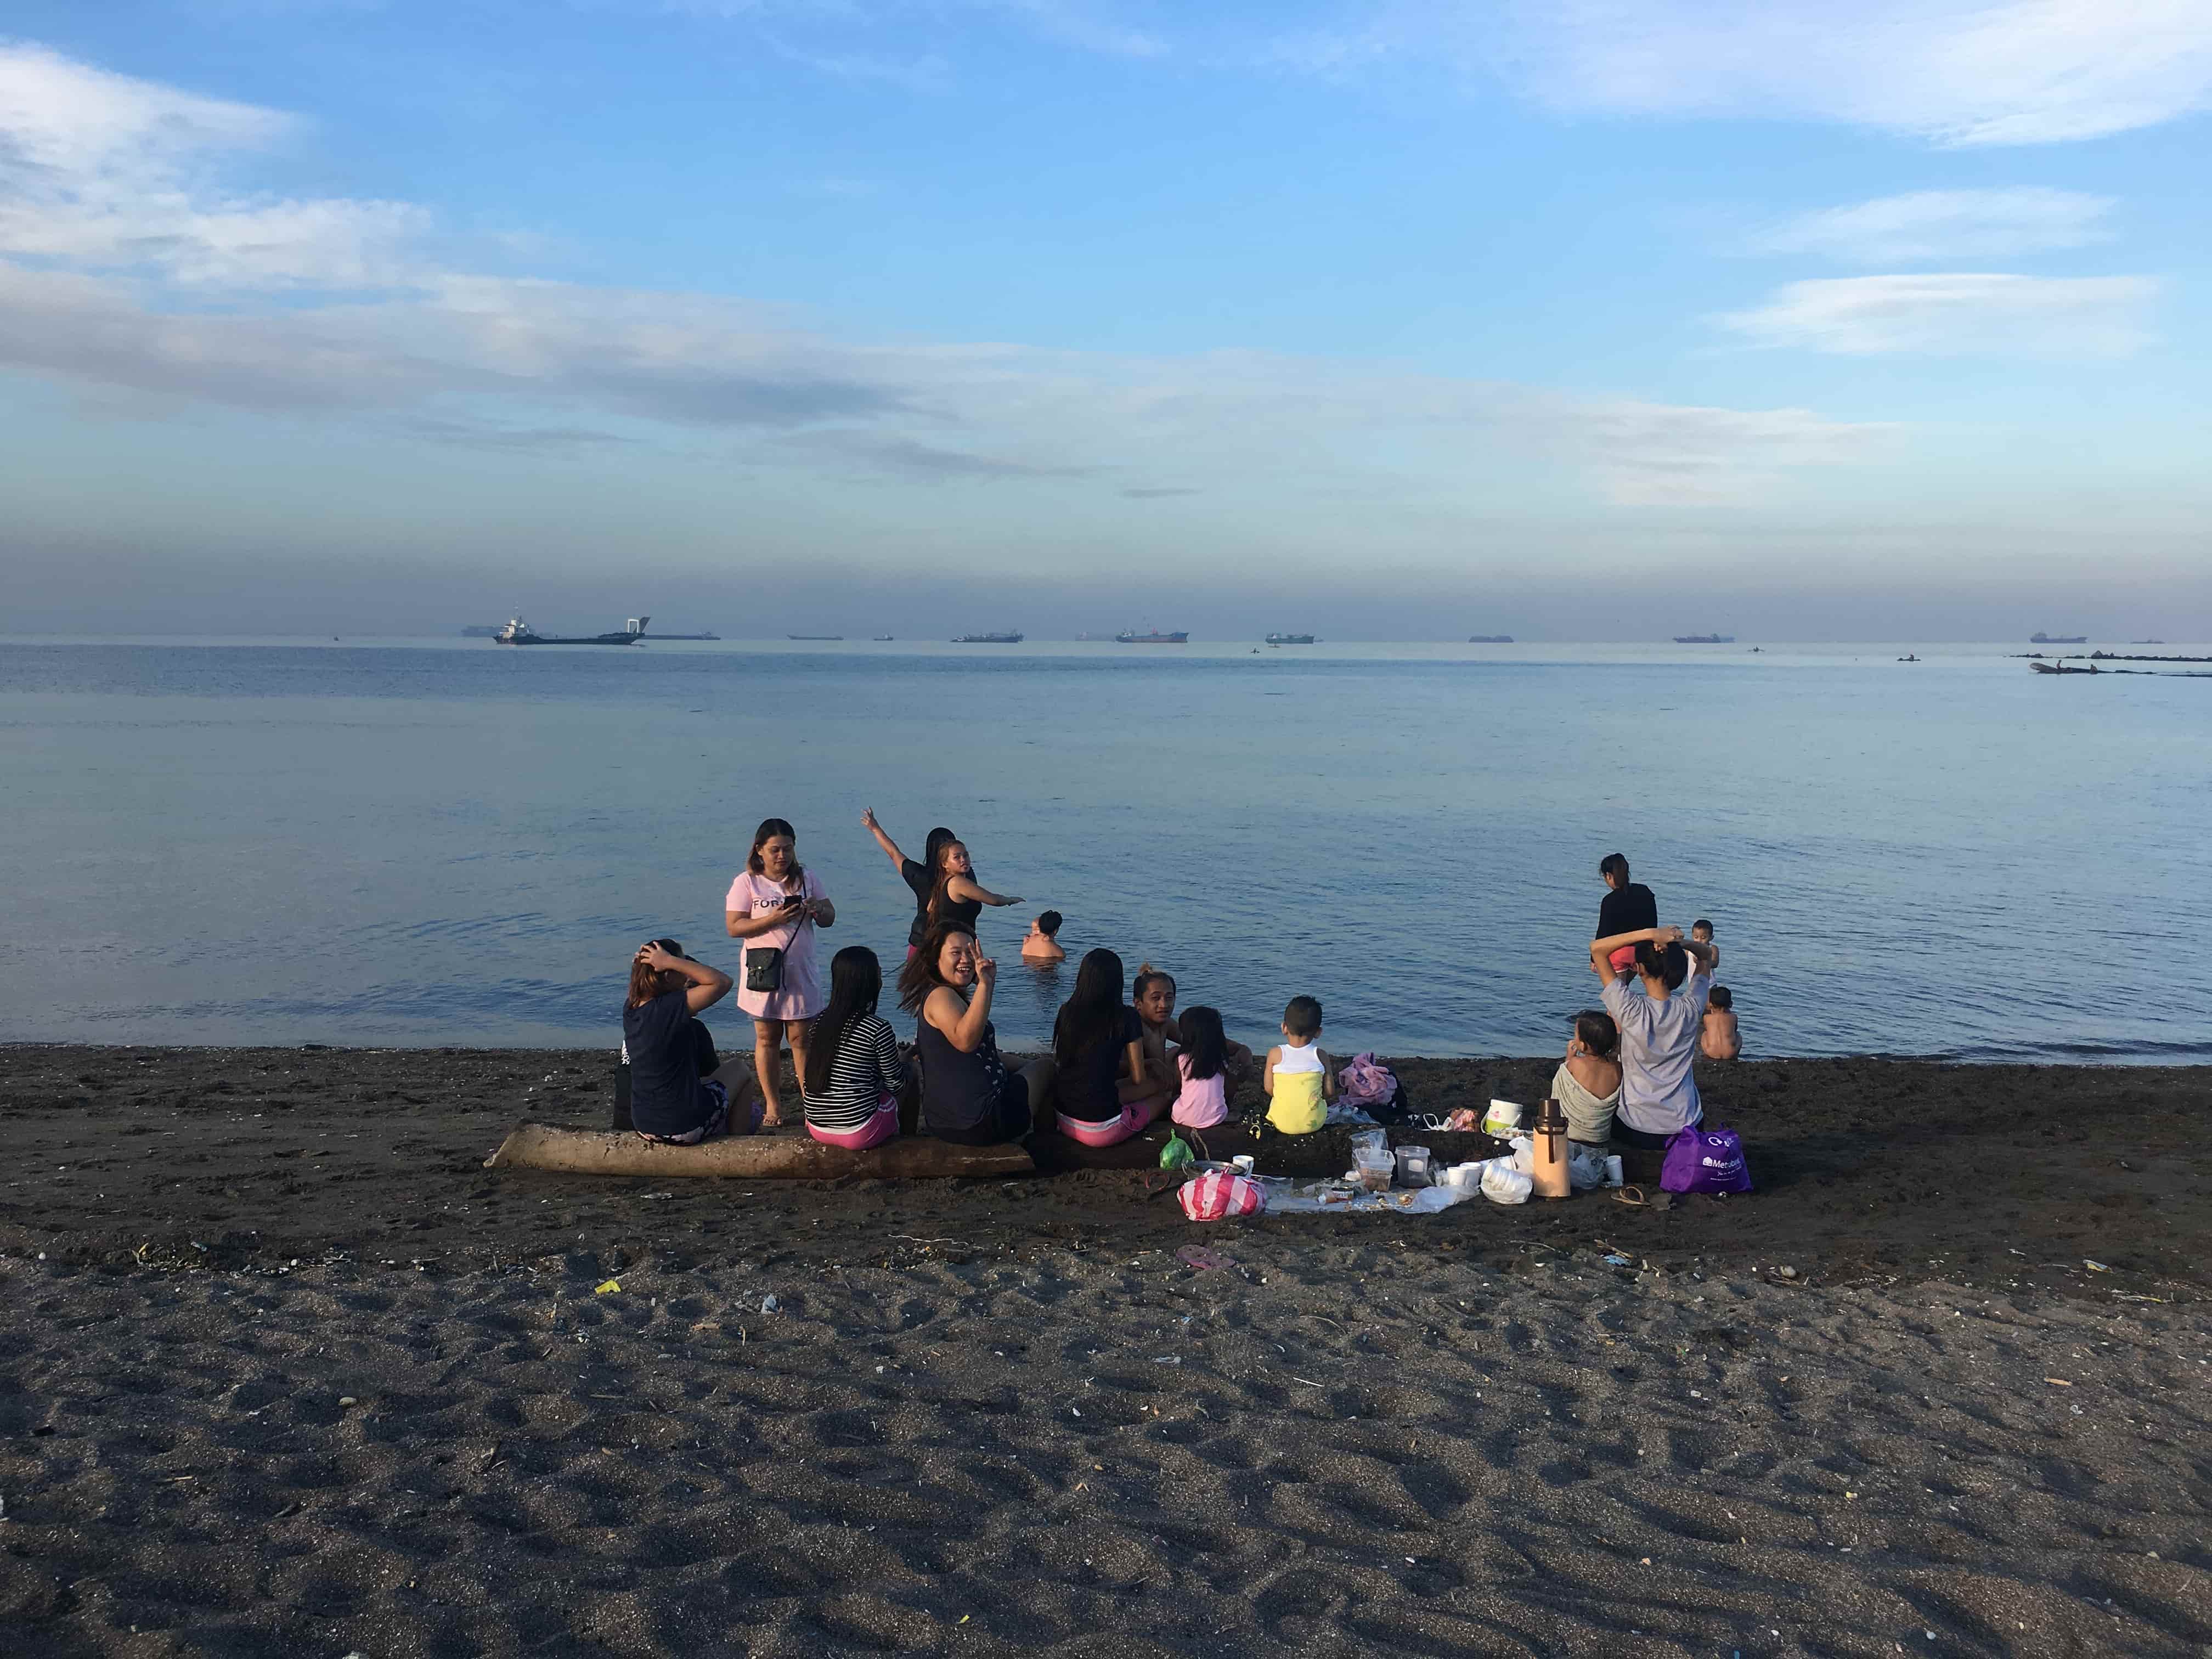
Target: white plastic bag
(1504, 1184)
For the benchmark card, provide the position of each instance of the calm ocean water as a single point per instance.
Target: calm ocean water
(450, 841)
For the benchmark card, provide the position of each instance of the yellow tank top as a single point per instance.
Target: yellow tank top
(1297, 1107)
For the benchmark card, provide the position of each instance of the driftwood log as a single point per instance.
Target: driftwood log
(748, 1157)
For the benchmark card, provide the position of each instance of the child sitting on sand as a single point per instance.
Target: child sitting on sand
(1587, 1085)
(1203, 1065)
(1041, 942)
(1701, 932)
(1154, 999)
(1299, 1080)
(1717, 1037)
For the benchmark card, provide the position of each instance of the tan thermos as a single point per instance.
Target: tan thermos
(1549, 1170)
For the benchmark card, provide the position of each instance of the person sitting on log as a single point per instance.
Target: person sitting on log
(968, 1095)
(1105, 1094)
(855, 1070)
(670, 1101)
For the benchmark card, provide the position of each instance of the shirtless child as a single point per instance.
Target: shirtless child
(1717, 1037)
(1041, 942)
(1154, 999)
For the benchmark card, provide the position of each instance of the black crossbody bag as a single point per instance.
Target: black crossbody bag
(764, 962)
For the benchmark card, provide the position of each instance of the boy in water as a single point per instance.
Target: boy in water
(1041, 942)
(1627, 907)
(1717, 1037)
(1701, 932)
(1299, 1080)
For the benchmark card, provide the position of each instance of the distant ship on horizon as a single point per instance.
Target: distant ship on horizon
(1290, 638)
(518, 632)
(1152, 636)
(814, 637)
(1704, 639)
(988, 639)
(1490, 639)
(2058, 639)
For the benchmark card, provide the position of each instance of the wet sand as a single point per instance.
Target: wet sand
(1006, 1417)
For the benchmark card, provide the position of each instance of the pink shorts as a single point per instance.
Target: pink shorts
(1134, 1119)
(883, 1127)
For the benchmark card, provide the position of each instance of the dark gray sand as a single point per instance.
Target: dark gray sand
(296, 1377)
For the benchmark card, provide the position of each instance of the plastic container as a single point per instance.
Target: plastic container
(1414, 1168)
(1373, 1167)
(1503, 1120)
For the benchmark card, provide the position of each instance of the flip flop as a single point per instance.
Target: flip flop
(1632, 1195)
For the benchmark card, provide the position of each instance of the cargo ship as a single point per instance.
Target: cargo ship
(1490, 639)
(2058, 639)
(1290, 638)
(1704, 639)
(814, 637)
(988, 639)
(518, 632)
(1127, 636)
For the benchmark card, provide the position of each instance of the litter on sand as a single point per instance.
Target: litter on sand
(610, 1287)
(1201, 1258)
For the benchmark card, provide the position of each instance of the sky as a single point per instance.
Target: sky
(1601, 319)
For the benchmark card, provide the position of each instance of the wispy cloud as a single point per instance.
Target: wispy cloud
(1956, 314)
(1935, 225)
(1956, 72)
(336, 308)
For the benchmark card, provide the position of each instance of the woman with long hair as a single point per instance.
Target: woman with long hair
(944, 884)
(670, 1101)
(854, 1071)
(774, 905)
(968, 1095)
(1098, 1054)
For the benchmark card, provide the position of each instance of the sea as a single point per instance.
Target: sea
(453, 843)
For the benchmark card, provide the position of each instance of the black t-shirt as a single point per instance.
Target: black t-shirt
(916, 876)
(665, 1096)
(1626, 910)
(1089, 1088)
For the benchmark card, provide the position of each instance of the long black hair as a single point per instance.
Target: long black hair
(856, 979)
(922, 973)
(1093, 1014)
(1205, 1044)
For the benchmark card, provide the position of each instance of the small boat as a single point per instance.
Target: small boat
(1153, 636)
(1290, 638)
(1490, 639)
(988, 639)
(2063, 668)
(882, 639)
(1704, 639)
(1908, 657)
(518, 632)
(2058, 639)
(814, 637)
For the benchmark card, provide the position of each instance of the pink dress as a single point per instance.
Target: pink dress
(1204, 1100)
(801, 996)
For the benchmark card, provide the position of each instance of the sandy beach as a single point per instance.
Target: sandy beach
(285, 1371)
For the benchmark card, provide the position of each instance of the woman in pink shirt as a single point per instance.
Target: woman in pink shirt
(776, 905)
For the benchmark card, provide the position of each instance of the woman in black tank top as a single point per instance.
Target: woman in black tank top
(968, 1095)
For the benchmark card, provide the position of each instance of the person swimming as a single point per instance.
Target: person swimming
(1041, 942)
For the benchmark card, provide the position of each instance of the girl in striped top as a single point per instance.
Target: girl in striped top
(854, 1068)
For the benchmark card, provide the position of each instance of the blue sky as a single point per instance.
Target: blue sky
(1811, 320)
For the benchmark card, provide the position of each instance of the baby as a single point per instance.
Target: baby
(1587, 1085)
(1717, 1037)
(1299, 1080)
(1041, 942)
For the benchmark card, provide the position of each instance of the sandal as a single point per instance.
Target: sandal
(1633, 1195)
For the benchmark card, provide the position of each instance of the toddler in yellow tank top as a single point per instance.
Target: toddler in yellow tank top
(1297, 1078)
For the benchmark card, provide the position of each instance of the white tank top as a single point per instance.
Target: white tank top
(1307, 1059)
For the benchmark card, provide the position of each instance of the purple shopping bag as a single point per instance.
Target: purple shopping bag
(1706, 1158)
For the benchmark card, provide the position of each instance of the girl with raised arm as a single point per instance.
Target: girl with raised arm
(776, 906)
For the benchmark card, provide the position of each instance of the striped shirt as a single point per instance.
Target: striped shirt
(866, 1068)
